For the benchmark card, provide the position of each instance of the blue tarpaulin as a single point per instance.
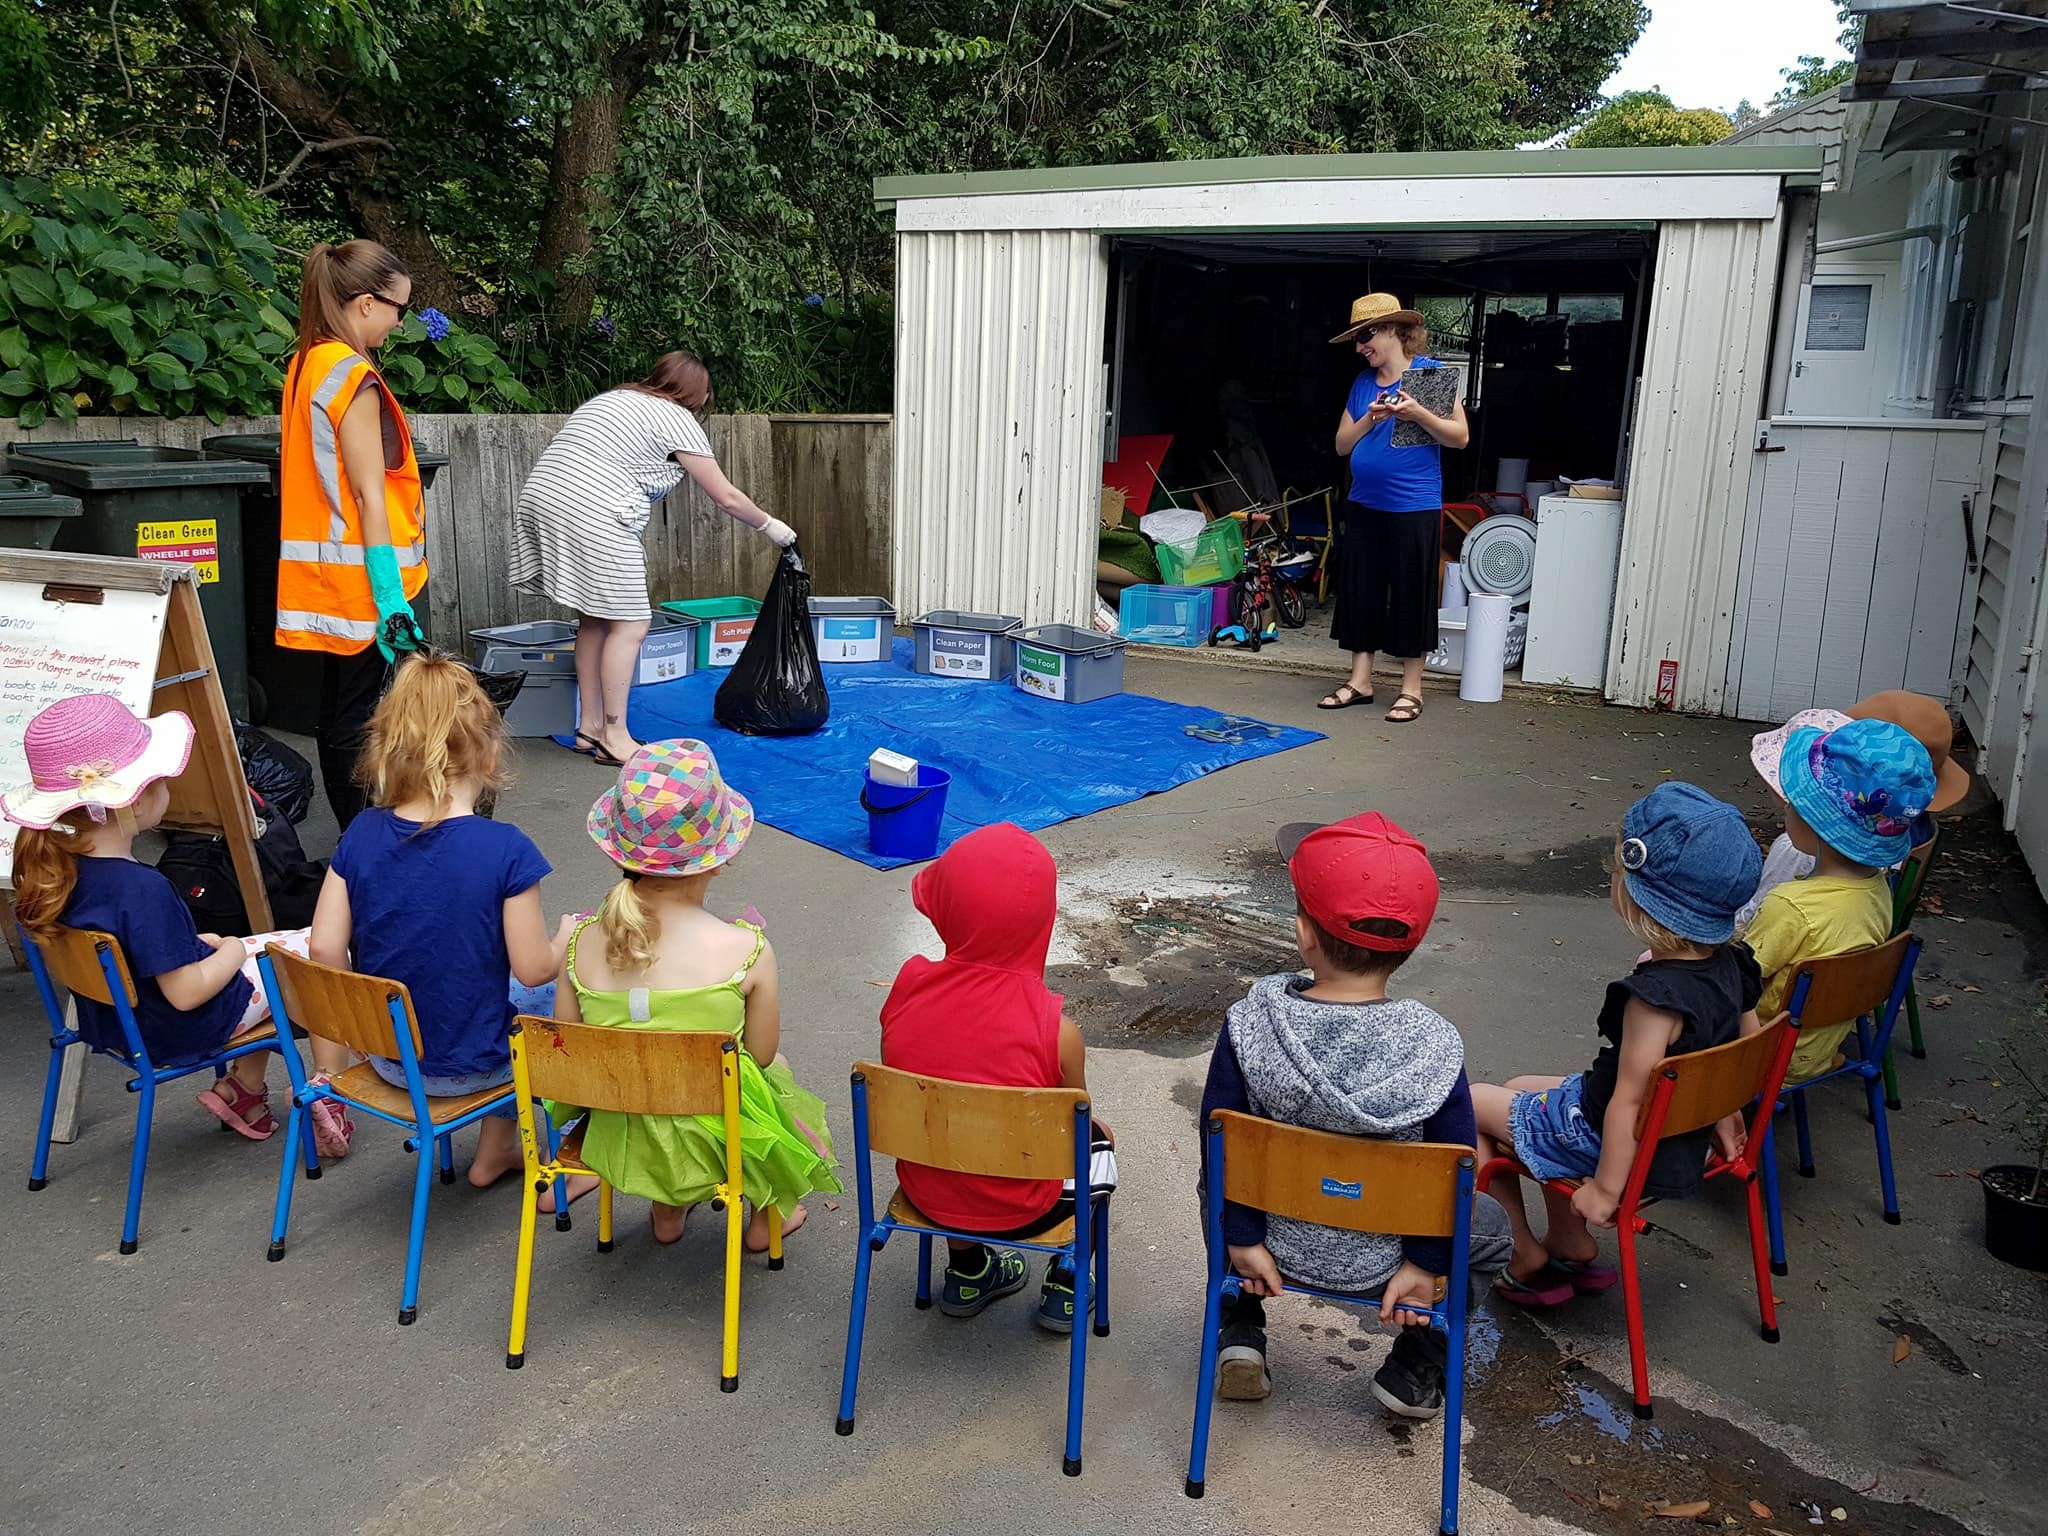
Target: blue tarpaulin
(1012, 758)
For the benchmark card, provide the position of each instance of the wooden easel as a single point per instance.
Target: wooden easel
(211, 796)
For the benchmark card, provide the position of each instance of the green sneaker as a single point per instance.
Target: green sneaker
(1002, 1271)
(1056, 1297)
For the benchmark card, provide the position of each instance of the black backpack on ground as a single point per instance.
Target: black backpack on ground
(204, 874)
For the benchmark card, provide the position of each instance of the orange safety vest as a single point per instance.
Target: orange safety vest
(323, 587)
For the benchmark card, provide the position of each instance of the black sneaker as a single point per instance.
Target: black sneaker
(1411, 1382)
(1002, 1271)
(1241, 1362)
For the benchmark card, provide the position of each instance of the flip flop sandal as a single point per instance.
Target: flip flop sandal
(1408, 702)
(239, 1109)
(1343, 703)
(1588, 1278)
(573, 742)
(1533, 1292)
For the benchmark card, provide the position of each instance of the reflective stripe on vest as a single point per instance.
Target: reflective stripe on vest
(332, 553)
(326, 624)
(326, 450)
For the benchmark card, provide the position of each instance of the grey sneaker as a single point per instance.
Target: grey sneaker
(1241, 1362)
(1002, 1271)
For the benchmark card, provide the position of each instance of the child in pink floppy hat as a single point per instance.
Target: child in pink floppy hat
(655, 957)
(99, 776)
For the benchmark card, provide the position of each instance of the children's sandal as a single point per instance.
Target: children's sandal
(1588, 1277)
(333, 1131)
(1545, 1288)
(241, 1109)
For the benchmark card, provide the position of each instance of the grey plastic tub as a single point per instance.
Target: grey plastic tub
(544, 648)
(954, 643)
(1068, 663)
(546, 706)
(850, 629)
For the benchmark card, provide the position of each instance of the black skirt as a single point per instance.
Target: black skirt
(1387, 578)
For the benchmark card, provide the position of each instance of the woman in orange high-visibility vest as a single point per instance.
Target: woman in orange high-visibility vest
(352, 556)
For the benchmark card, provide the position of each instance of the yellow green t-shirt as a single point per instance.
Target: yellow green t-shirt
(1808, 919)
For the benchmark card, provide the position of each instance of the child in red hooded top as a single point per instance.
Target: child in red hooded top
(983, 1014)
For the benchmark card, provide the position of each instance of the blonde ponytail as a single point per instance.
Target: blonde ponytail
(630, 930)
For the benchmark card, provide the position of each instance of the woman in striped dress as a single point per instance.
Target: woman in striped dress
(576, 531)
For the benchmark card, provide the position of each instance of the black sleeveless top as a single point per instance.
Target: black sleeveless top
(1710, 996)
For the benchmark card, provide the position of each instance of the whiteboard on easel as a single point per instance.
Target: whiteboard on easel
(52, 647)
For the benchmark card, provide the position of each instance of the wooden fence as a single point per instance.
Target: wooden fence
(827, 476)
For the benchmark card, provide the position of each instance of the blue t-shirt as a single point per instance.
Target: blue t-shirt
(1383, 476)
(141, 908)
(428, 909)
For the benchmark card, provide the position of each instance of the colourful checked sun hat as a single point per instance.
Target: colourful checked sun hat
(91, 750)
(671, 813)
(1860, 787)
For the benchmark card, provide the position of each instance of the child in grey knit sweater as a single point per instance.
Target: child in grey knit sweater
(1334, 1053)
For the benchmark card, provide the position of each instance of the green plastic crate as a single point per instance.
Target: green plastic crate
(724, 623)
(1215, 554)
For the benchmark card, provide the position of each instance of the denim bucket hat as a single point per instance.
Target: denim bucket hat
(1860, 787)
(1689, 861)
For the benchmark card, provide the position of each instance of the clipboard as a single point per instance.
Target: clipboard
(1436, 391)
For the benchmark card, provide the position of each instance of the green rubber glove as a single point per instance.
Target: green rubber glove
(397, 628)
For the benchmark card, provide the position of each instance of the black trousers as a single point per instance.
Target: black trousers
(1387, 589)
(350, 687)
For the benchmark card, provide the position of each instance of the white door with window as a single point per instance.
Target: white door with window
(1842, 357)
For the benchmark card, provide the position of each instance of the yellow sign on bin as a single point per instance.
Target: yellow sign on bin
(194, 542)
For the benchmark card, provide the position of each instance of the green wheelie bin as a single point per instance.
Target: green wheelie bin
(154, 503)
(31, 514)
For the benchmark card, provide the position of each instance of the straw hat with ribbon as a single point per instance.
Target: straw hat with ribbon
(1376, 309)
(92, 751)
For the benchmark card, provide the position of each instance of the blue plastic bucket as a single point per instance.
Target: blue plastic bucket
(903, 820)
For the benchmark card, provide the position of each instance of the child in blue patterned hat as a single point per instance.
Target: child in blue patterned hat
(1852, 795)
(1684, 863)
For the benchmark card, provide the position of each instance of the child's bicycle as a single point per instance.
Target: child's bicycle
(1255, 591)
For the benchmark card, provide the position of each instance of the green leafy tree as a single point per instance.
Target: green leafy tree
(1637, 118)
(1815, 73)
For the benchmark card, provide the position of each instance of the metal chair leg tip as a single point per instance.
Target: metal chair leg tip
(1891, 1104)
(775, 1263)
(129, 1245)
(1891, 1218)
(1645, 1411)
(407, 1316)
(1809, 1171)
(1770, 1334)
(447, 1175)
(562, 1222)
(604, 1245)
(276, 1252)
(1071, 1465)
(924, 1303)
(514, 1362)
(1780, 1268)
(1194, 1488)
(728, 1383)
(35, 1184)
(314, 1173)
(1102, 1330)
(842, 1427)
(1917, 1055)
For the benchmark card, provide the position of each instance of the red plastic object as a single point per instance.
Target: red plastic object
(1136, 470)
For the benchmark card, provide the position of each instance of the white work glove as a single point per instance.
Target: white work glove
(779, 533)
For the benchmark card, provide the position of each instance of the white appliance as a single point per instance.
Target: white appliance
(1571, 602)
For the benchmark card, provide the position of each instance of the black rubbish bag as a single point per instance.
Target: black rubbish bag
(279, 775)
(203, 871)
(776, 688)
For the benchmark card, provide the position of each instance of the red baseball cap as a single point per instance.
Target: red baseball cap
(1360, 875)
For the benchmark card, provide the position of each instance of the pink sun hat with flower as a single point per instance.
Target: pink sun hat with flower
(671, 813)
(91, 750)
(1767, 750)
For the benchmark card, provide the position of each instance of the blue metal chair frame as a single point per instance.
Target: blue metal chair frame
(1088, 1252)
(1449, 1315)
(147, 1076)
(1872, 1049)
(425, 1132)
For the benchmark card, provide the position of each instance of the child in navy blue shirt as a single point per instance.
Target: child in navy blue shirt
(424, 891)
(100, 776)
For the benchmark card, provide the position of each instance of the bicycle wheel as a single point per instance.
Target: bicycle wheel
(1249, 611)
(1292, 606)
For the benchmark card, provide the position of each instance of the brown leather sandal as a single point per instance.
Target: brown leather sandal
(1407, 707)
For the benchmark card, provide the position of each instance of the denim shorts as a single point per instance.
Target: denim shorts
(1551, 1133)
(449, 1087)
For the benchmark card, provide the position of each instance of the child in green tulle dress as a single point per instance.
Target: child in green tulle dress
(655, 958)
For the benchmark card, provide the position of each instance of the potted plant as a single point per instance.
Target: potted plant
(2016, 1194)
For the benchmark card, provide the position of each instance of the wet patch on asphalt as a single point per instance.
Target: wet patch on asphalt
(1557, 1438)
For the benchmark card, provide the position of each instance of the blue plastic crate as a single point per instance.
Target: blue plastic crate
(1164, 615)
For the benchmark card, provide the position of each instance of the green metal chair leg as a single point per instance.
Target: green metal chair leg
(1891, 1082)
(1913, 1024)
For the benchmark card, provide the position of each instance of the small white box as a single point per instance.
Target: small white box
(886, 767)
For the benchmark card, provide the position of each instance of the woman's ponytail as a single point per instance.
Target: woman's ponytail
(334, 275)
(630, 930)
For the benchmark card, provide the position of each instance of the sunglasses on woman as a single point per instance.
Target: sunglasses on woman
(371, 293)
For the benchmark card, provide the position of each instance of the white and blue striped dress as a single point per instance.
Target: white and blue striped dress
(576, 529)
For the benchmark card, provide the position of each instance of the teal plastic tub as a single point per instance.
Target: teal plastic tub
(724, 624)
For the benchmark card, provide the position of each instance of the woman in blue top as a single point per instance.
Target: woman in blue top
(1393, 523)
